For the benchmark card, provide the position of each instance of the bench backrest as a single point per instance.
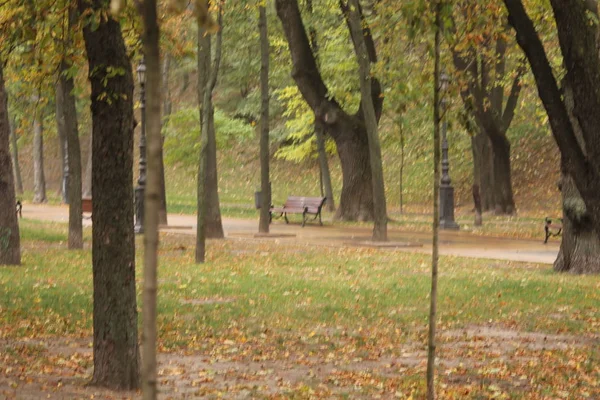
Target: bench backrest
(86, 204)
(302, 202)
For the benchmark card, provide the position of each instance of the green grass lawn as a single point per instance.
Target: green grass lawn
(349, 322)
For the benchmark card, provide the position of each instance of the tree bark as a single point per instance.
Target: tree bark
(87, 177)
(326, 186)
(503, 194)
(10, 242)
(484, 100)
(483, 169)
(348, 131)
(203, 67)
(214, 223)
(356, 199)
(152, 200)
(265, 184)
(116, 354)
(370, 117)
(402, 165)
(62, 140)
(15, 159)
(64, 95)
(431, 336)
(325, 173)
(580, 246)
(167, 107)
(207, 201)
(39, 181)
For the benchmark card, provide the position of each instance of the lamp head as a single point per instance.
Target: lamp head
(444, 81)
(141, 72)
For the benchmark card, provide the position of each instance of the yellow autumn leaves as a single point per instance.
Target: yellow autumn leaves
(201, 11)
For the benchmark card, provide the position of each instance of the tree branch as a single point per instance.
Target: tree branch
(485, 79)
(579, 46)
(218, 50)
(370, 45)
(549, 94)
(497, 97)
(513, 98)
(368, 37)
(468, 66)
(305, 71)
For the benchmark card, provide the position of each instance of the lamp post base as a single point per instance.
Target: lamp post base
(447, 208)
(449, 225)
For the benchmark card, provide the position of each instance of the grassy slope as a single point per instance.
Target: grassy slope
(534, 179)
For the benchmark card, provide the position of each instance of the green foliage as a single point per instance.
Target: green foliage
(182, 134)
(298, 127)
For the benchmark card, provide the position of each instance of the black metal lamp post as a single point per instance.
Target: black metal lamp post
(141, 183)
(446, 189)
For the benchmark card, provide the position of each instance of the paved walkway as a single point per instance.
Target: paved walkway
(451, 243)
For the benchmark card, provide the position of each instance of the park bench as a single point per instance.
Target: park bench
(552, 228)
(86, 206)
(299, 205)
(19, 209)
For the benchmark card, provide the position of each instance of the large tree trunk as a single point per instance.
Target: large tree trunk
(483, 97)
(116, 354)
(354, 19)
(580, 247)
(39, 181)
(503, 194)
(483, 169)
(356, 200)
(10, 244)
(62, 140)
(15, 159)
(348, 131)
(265, 185)
(64, 92)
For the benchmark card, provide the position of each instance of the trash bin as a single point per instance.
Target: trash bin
(257, 199)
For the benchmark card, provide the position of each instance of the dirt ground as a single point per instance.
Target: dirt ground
(62, 368)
